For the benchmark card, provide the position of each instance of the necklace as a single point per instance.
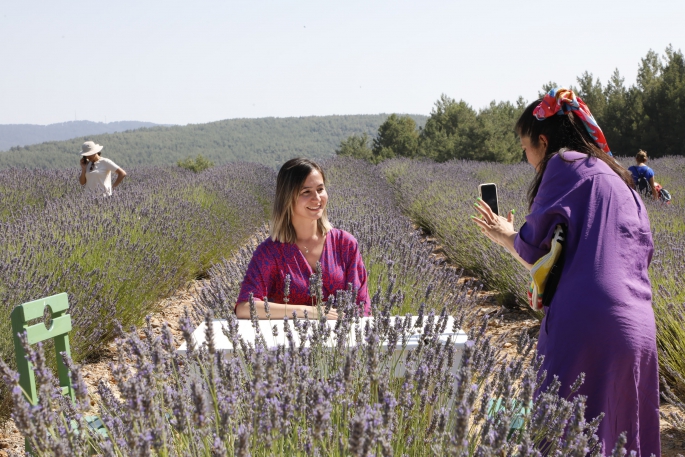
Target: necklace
(306, 249)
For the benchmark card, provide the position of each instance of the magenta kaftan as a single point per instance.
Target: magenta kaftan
(341, 264)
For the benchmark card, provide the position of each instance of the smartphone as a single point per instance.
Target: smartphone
(84, 160)
(488, 192)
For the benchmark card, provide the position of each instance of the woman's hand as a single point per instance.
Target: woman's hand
(497, 228)
(121, 174)
(82, 176)
(280, 310)
(314, 314)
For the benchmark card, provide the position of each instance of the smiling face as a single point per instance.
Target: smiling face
(311, 199)
(534, 154)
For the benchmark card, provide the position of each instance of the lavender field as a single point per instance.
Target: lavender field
(439, 197)
(116, 257)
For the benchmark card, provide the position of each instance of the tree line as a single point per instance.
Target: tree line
(648, 115)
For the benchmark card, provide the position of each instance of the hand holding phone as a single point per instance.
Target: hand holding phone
(84, 161)
(488, 193)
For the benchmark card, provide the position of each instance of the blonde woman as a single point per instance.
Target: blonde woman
(97, 177)
(300, 237)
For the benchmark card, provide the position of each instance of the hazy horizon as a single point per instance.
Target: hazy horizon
(180, 63)
(218, 120)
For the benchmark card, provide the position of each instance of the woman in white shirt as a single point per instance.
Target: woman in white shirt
(97, 177)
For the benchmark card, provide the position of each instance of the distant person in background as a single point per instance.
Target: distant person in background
(301, 236)
(600, 320)
(96, 171)
(643, 176)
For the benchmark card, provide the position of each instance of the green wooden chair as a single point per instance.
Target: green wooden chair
(58, 332)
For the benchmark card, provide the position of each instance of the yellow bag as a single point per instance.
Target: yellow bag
(541, 269)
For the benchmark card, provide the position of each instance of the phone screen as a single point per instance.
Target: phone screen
(488, 192)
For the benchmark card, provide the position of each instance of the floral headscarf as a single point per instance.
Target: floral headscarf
(561, 101)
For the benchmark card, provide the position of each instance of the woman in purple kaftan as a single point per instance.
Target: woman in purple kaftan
(301, 237)
(600, 319)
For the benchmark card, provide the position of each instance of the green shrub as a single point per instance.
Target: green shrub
(199, 164)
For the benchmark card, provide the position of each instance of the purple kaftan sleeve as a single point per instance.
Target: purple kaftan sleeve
(550, 208)
(534, 240)
(259, 274)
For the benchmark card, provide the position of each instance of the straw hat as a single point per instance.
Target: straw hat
(89, 148)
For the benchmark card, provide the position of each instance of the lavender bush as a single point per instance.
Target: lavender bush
(298, 400)
(22, 190)
(117, 256)
(439, 197)
(667, 272)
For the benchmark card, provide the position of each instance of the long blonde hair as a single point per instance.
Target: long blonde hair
(291, 178)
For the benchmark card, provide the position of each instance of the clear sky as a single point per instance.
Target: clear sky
(198, 61)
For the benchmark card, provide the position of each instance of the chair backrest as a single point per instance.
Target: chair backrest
(58, 331)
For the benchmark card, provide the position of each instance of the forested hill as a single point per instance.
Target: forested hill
(25, 134)
(269, 141)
